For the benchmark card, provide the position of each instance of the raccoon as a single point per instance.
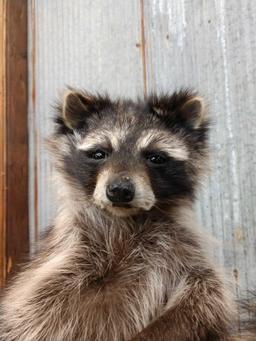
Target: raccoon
(124, 259)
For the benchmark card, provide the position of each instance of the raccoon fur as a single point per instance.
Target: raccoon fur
(124, 259)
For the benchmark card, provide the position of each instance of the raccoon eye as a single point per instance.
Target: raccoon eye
(156, 159)
(97, 154)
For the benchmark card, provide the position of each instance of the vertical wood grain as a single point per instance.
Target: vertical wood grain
(210, 46)
(34, 134)
(14, 135)
(2, 145)
(143, 47)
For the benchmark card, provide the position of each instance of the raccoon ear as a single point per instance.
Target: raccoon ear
(193, 112)
(183, 107)
(75, 107)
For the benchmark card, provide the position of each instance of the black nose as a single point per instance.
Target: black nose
(120, 191)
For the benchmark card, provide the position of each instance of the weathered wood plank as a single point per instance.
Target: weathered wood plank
(83, 43)
(210, 46)
(13, 136)
(16, 133)
(2, 144)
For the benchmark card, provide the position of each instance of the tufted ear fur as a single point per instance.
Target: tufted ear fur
(74, 108)
(77, 106)
(182, 107)
(193, 111)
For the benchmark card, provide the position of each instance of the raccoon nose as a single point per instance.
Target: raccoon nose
(120, 191)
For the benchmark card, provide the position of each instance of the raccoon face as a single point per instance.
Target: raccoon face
(127, 156)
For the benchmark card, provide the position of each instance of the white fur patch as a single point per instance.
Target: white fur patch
(92, 140)
(167, 143)
(115, 137)
(144, 196)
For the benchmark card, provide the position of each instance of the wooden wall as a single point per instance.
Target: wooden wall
(14, 241)
(137, 46)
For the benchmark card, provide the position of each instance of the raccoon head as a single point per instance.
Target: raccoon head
(130, 156)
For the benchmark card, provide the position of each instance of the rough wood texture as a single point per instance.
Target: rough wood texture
(16, 133)
(13, 136)
(211, 46)
(133, 47)
(2, 146)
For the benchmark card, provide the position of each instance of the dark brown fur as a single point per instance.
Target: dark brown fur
(128, 271)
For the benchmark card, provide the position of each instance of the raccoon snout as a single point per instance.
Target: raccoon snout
(120, 191)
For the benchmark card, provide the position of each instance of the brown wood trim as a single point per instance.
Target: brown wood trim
(14, 136)
(143, 47)
(2, 144)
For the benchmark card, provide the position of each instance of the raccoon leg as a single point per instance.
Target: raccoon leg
(198, 311)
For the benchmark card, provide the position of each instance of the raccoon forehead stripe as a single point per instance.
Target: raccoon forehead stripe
(112, 138)
(171, 144)
(92, 140)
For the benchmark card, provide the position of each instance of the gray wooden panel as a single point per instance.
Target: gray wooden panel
(82, 43)
(210, 46)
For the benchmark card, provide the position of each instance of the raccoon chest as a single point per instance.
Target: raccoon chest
(123, 300)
